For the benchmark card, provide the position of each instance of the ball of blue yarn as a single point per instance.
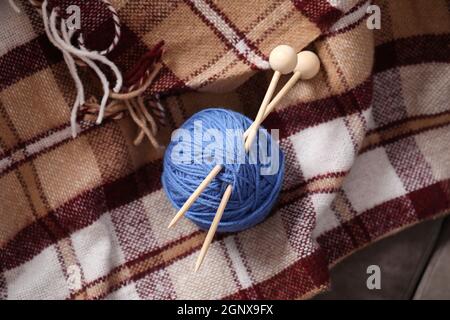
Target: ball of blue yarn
(253, 194)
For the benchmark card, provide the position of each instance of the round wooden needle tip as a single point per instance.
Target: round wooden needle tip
(308, 65)
(283, 59)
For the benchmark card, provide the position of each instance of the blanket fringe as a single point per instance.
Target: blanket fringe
(126, 95)
(14, 5)
(148, 116)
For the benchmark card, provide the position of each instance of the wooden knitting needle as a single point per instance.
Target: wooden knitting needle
(283, 60)
(212, 230)
(196, 194)
(307, 67)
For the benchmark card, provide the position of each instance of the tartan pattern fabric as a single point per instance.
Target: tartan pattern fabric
(366, 145)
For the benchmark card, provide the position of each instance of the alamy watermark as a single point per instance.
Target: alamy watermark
(374, 280)
(213, 146)
(374, 18)
(73, 20)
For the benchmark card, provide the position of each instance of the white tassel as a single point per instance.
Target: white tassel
(117, 30)
(95, 68)
(88, 58)
(70, 62)
(14, 5)
(80, 99)
(89, 54)
(64, 44)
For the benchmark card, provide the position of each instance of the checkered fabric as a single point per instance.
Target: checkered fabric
(366, 142)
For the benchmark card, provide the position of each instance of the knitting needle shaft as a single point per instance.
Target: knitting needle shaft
(262, 108)
(249, 135)
(14, 6)
(265, 109)
(282, 60)
(196, 194)
(212, 230)
(215, 223)
(292, 81)
(313, 65)
(227, 194)
(271, 106)
(217, 168)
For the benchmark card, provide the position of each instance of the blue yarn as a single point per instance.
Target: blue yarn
(253, 194)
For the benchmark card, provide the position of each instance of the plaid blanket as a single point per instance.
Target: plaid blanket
(366, 143)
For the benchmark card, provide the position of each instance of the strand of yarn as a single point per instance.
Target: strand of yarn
(14, 5)
(94, 56)
(145, 71)
(117, 30)
(71, 65)
(159, 111)
(254, 194)
(133, 103)
(88, 58)
(102, 77)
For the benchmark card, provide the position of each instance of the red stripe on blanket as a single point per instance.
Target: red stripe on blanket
(220, 34)
(26, 60)
(319, 12)
(384, 219)
(412, 50)
(134, 262)
(78, 213)
(295, 118)
(39, 54)
(241, 34)
(303, 276)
